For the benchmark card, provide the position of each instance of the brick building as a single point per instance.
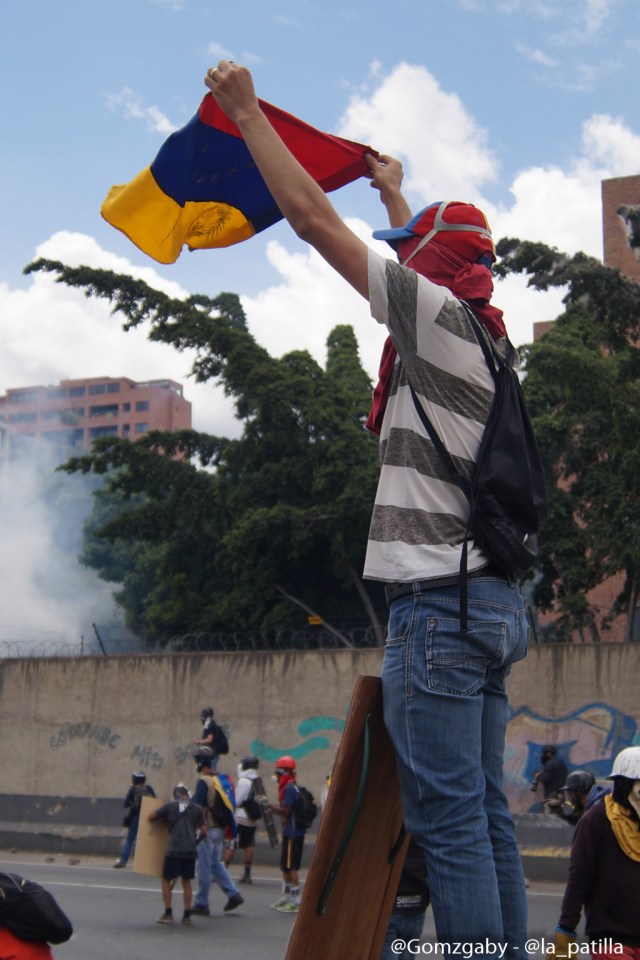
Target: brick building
(75, 412)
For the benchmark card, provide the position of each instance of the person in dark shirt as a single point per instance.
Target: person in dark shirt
(132, 802)
(604, 870)
(553, 774)
(186, 827)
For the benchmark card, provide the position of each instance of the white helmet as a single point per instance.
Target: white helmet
(627, 764)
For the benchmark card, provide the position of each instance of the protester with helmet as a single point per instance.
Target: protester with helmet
(245, 788)
(578, 794)
(292, 835)
(604, 870)
(139, 788)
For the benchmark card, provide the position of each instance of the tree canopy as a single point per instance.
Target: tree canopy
(204, 533)
(583, 390)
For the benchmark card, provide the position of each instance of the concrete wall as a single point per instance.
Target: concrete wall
(79, 727)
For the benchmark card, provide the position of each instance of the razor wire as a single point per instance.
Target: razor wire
(219, 642)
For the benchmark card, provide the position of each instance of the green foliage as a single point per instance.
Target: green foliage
(583, 389)
(205, 533)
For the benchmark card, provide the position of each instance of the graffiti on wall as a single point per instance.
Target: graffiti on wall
(586, 739)
(84, 731)
(312, 729)
(147, 757)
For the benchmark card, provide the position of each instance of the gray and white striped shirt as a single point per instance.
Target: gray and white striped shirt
(420, 516)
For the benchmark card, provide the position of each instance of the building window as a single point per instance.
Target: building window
(95, 432)
(141, 427)
(28, 396)
(126, 429)
(76, 391)
(95, 388)
(113, 388)
(104, 410)
(55, 393)
(142, 405)
(26, 417)
(126, 407)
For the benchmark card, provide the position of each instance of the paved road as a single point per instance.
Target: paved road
(113, 913)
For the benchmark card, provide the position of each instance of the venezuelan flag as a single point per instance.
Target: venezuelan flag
(204, 190)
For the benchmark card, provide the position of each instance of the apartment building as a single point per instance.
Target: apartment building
(75, 412)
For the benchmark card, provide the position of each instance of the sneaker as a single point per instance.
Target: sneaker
(165, 918)
(186, 919)
(291, 906)
(119, 864)
(200, 911)
(233, 902)
(245, 880)
(280, 903)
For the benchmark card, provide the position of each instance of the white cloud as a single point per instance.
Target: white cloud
(219, 51)
(130, 104)
(536, 56)
(408, 115)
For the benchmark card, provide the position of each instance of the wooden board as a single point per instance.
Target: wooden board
(349, 920)
(152, 840)
(267, 815)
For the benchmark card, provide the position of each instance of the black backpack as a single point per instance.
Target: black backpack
(507, 494)
(305, 810)
(220, 743)
(30, 912)
(251, 806)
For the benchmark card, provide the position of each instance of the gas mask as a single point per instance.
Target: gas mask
(569, 806)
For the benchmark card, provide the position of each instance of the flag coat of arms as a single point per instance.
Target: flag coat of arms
(203, 189)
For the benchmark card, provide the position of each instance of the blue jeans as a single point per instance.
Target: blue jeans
(210, 867)
(446, 711)
(402, 926)
(130, 839)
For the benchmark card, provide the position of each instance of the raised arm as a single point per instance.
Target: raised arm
(302, 202)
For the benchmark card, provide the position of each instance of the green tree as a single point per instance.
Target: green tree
(206, 533)
(583, 389)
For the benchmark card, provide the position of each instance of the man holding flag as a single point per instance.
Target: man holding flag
(444, 698)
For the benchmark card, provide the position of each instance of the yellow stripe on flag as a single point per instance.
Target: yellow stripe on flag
(160, 227)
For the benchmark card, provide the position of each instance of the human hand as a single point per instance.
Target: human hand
(386, 173)
(561, 944)
(232, 87)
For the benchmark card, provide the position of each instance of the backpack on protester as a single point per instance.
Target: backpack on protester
(30, 912)
(306, 809)
(251, 805)
(220, 742)
(507, 493)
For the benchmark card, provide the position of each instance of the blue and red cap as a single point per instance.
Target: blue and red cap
(459, 226)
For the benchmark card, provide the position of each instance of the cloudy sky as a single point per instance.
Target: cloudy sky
(519, 106)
